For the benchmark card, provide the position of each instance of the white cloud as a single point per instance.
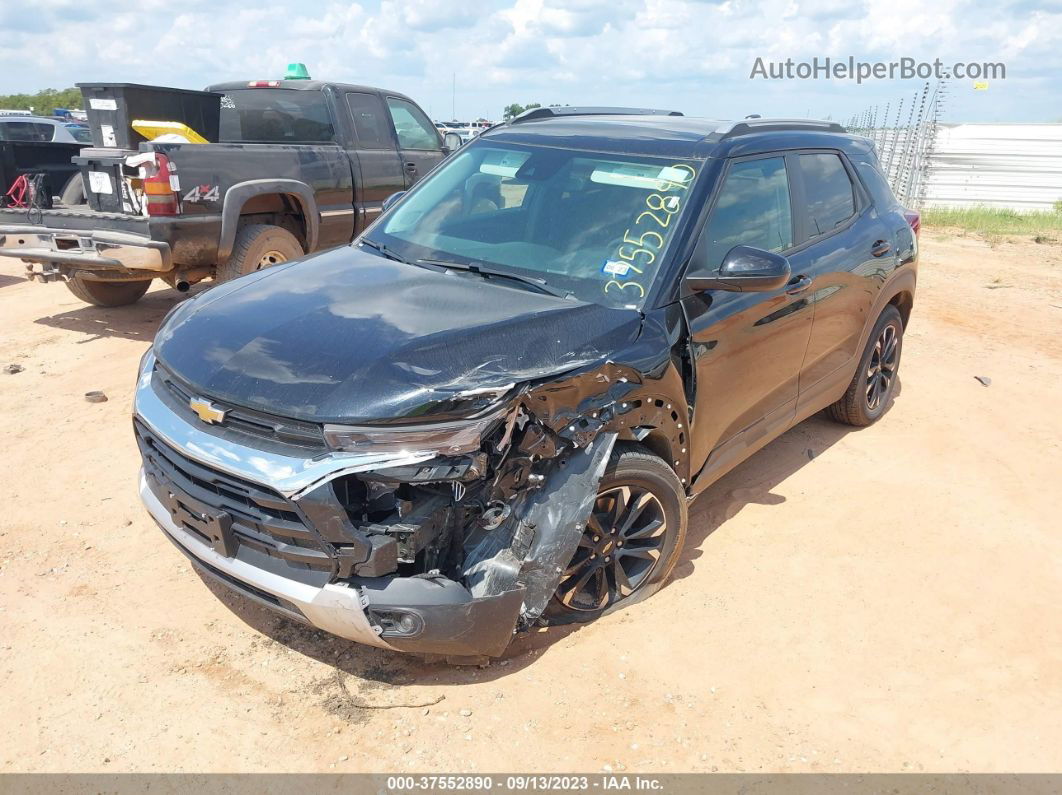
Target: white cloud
(676, 53)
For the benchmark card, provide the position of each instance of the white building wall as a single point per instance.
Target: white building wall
(1017, 166)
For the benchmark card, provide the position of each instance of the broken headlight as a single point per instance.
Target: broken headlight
(444, 438)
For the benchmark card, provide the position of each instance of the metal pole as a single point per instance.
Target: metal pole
(895, 142)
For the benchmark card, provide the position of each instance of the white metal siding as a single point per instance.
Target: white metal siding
(1018, 166)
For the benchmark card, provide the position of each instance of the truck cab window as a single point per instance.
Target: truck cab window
(26, 131)
(413, 128)
(753, 210)
(275, 115)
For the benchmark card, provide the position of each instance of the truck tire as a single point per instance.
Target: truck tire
(259, 246)
(73, 192)
(107, 293)
(634, 554)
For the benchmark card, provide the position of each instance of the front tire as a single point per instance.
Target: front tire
(872, 386)
(259, 246)
(107, 294)
(631, 542)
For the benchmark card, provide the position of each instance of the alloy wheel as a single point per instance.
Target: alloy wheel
(620, 547)
(882, 369)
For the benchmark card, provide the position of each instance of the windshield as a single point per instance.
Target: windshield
(596, 225)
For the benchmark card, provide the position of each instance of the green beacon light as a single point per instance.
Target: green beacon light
(297, 71)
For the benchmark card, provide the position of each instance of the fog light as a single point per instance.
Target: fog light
(396, 623)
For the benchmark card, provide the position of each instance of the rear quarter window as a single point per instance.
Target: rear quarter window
(874, 180)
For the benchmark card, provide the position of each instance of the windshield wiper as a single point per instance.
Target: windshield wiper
(384, 250)
(491, 273)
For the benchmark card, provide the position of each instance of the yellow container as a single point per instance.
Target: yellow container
(154, 129)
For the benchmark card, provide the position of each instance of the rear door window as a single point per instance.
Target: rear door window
(829, 192)
(753, 209)
(413, 128)
(370, 125)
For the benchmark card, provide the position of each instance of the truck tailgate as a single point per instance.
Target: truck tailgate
(76, 218)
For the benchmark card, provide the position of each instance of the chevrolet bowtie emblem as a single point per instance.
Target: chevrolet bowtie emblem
(206, 410)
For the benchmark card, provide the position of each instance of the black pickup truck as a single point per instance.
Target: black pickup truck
(299, 165)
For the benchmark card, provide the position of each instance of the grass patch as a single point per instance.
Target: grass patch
(1043, 226)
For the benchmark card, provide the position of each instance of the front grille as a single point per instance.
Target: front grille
(226, 512)
(253, 423)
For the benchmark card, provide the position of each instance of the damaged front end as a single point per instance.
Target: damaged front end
(440, 538)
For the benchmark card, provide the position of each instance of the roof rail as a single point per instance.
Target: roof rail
(748, 126)
(582, 110)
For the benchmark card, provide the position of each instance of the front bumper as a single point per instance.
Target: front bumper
(334, 607)
(442, 616)
(447, 619)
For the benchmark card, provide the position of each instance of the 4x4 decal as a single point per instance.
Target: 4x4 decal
(203, 193)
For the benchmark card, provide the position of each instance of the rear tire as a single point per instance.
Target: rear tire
(107, 293)
(874, 382)
(621, 558)
(259, 246)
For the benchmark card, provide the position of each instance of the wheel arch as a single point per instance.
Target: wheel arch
(899, 292)
(238, 196)
(655, 424)
(904, 302)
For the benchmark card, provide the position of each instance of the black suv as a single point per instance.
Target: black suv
(492, 409)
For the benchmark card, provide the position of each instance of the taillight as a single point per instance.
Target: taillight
(161, 187)
(914, 219)
(264, 84)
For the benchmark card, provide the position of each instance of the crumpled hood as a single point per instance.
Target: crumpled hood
(346, 336)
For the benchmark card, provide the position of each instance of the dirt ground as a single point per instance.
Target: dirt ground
(888, 599)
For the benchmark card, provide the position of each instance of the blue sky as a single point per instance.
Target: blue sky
(684, 54)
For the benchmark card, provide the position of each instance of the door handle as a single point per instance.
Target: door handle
(798, 284)
(411, 168)
(880, 248)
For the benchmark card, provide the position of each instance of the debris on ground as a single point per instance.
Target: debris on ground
(95, 397)
(984, 379)
(11, 369)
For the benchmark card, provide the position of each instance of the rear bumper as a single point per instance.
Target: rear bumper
(89, 249)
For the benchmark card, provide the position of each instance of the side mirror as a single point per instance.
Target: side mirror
(744, 270)
(392, 199)
(452, 141)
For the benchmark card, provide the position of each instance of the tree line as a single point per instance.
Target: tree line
(43, 102)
